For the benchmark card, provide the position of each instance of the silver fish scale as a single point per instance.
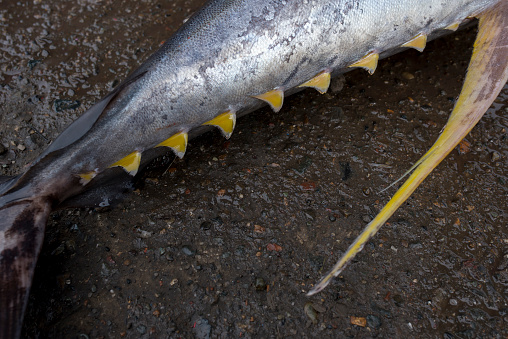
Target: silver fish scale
(231, 50)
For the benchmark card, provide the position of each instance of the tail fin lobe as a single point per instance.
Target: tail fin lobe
(21, 236)
(486, 76)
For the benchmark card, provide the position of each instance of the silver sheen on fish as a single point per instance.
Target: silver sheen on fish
(228, 59)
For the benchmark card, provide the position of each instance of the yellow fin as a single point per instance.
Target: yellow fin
(418, 42)
(486, 76)
(320, 82)
(87, 177)
(368, 62)
(225, 121)
(129, 163)
(453, 27)
(177, 142)
(275, 98)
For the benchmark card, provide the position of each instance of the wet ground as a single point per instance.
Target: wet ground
(228, 241)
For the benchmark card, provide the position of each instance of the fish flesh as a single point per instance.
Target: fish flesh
(230, 58)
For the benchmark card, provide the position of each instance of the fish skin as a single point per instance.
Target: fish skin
(253, 58)
(246, 48)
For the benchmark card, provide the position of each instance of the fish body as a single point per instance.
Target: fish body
(228, 59)
(227, 53)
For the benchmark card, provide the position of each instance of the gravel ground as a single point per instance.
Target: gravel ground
(227, 241)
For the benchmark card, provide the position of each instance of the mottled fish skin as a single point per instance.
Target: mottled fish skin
(229, 52)
(223, 60)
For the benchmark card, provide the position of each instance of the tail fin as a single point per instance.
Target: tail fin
(21, 235)
(486, 76)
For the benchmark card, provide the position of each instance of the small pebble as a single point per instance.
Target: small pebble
(464, 147)
(373, 321)
(337, 84)
(274, 247)
(495, 156)
(259, 229)
(145, 234)
(358, 321)
(408, 76)
(319, 308)
(398, 299)
(336, 114)
(311, 312)
(206, 225)
(188, 251)
(260, 284)
(62, 104)
(141, 329)
(416, 245)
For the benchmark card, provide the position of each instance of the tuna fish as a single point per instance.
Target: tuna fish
(228, 59)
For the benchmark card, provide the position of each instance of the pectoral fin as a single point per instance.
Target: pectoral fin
(486, 76)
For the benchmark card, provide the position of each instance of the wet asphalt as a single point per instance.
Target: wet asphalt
(227, 241)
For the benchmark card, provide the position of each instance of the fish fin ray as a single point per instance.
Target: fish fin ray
(177, 142)
(416, 164)
(129, 163)
(275, 98)
(71, 134)
(320, 82)
(453, 26)
(368, 62)
(418, 42)
(226, 122)
(84, 123)
(6, 182)
(486, 76)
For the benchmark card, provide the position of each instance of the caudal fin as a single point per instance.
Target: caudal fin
(486, 76)
(21, 235)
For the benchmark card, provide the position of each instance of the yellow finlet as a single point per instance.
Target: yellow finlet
(320, 82)
(368, 62)
(226, 123)
(453, 27)
(87, 177)
(177, 142)
(129, 163)
(418, 42)
(274, 98)
(487, 74)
